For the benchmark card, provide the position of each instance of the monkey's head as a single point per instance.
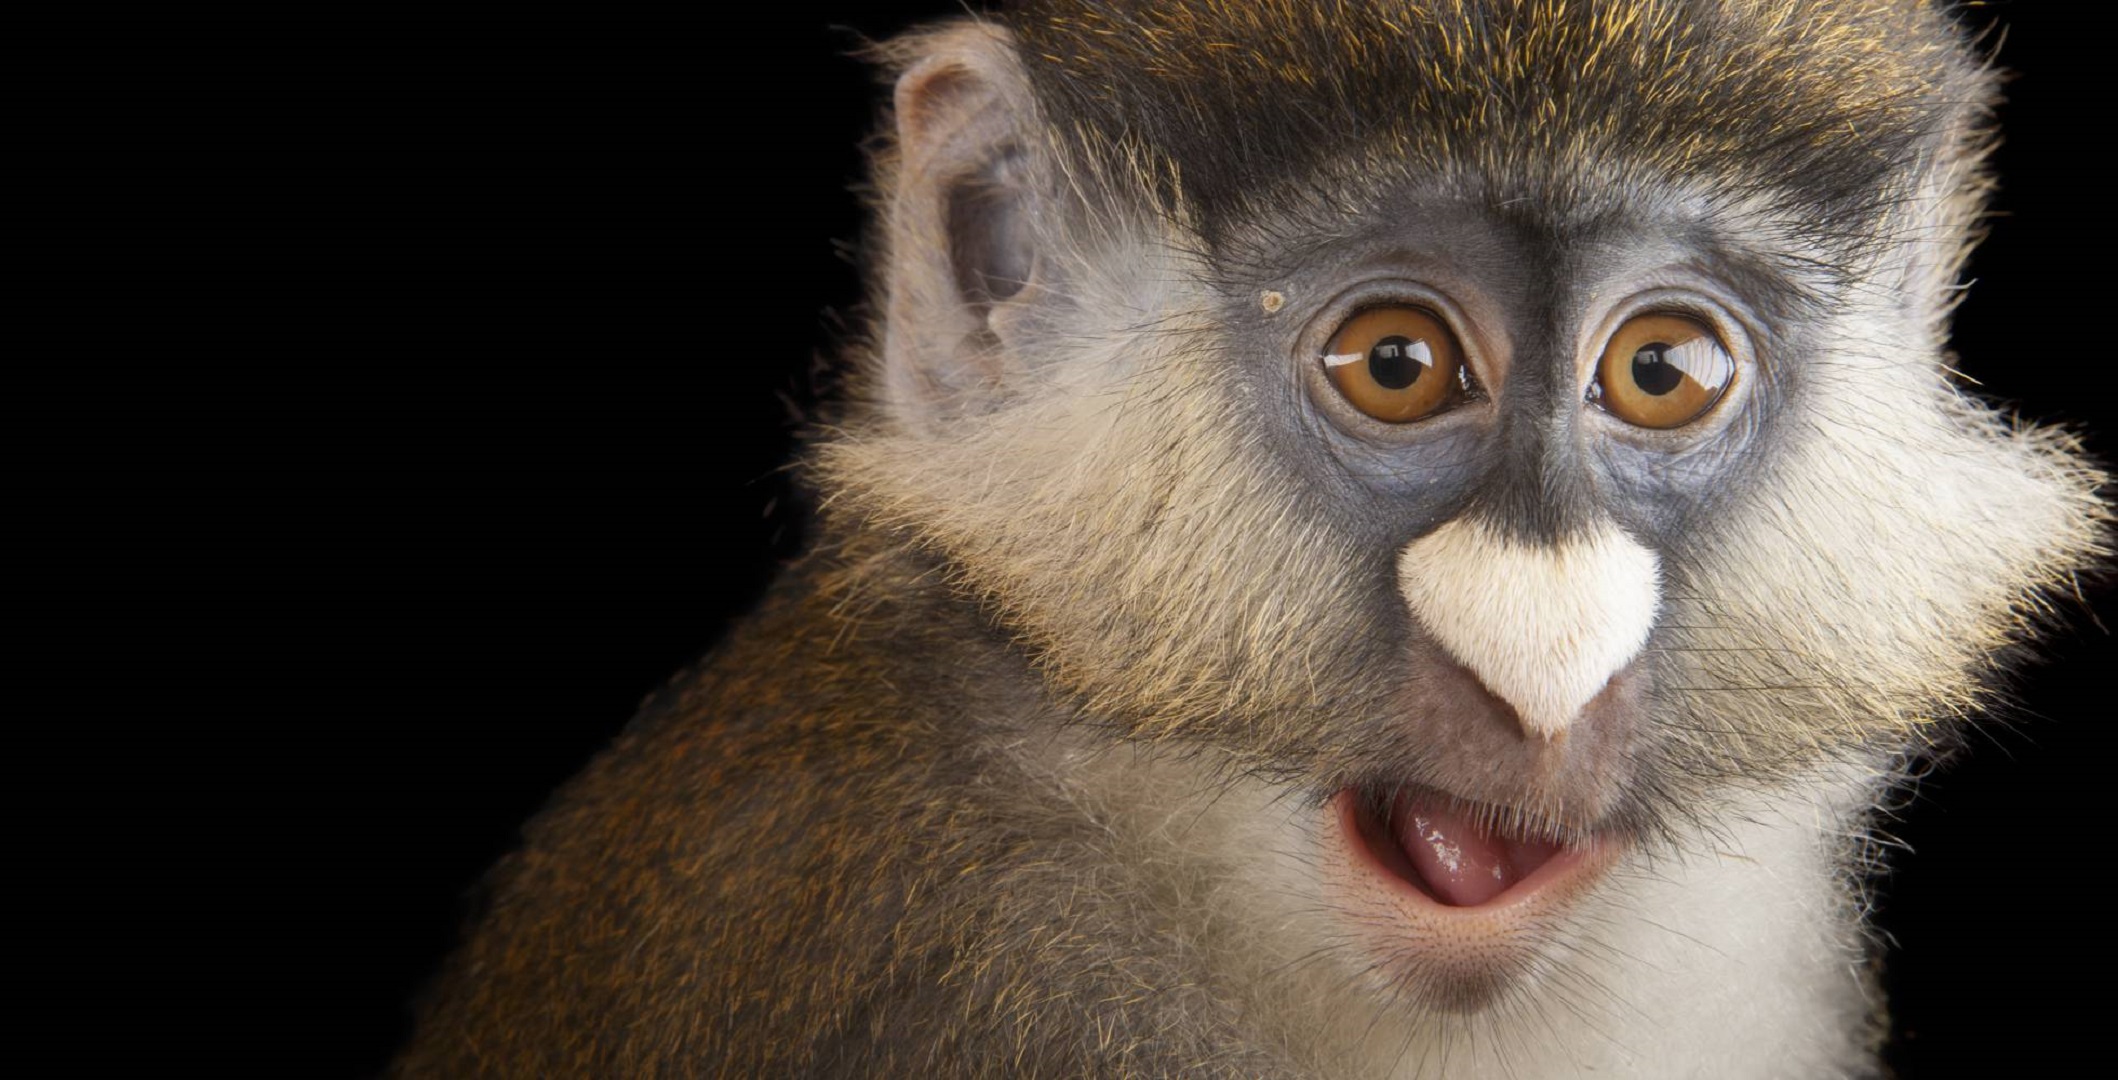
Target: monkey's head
(1517, 425)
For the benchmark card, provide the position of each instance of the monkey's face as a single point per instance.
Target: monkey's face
(1678, 513)
(1510, 500)
(1521, 427)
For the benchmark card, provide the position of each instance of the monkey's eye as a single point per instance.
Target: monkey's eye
(1662, 371)
(1395, 363)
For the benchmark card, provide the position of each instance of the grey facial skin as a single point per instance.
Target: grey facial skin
(1532, 292)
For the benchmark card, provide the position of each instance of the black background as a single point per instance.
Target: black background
(435, 416)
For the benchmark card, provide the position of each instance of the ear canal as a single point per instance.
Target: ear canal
(990, 247)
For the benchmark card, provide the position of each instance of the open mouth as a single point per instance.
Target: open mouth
(1451, 901)
(1443, 854)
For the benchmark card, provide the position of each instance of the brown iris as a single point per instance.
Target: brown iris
(1395, 363)
(1662, 371)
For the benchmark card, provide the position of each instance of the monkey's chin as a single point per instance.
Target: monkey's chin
(1452, 909)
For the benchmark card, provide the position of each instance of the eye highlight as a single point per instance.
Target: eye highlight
(1662, 370)
(1395, 363)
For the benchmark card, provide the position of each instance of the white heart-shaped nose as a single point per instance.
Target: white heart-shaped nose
(1543, 626)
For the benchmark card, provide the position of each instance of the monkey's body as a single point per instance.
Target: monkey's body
(1168, 672)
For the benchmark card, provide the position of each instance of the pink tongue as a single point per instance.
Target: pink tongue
(1460, 863)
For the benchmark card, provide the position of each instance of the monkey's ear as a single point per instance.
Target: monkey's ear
(964, 206)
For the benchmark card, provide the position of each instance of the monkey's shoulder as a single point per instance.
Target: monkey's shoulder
(819, 851)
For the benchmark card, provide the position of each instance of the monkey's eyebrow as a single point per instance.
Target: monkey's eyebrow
(1767, 278)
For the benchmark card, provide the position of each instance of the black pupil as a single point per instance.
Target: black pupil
(1391, 365)
(1652, 370)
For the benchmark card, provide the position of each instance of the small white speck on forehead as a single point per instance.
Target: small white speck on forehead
(1271, 301)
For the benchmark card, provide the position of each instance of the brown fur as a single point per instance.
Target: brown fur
(794, 864)
(1819, 104)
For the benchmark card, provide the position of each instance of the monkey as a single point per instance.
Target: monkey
(1381, 539)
